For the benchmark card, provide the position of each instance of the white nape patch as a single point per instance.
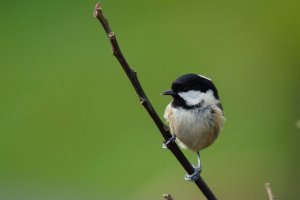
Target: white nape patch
(194, 97)
(204, 77)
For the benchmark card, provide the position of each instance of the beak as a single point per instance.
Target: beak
(168, 92)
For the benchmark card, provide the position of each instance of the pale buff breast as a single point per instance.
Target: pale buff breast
(193, 128)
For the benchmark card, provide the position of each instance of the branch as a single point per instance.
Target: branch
(269, 191)
(168, 197)
(164, 130)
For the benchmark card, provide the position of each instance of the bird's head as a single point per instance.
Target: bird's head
(192, 90)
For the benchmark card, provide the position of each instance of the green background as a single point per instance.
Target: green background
(71, 126)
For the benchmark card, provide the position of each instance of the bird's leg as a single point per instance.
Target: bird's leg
(197, 170)
(166, 143)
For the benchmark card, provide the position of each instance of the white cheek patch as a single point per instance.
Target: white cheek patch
(193, 97)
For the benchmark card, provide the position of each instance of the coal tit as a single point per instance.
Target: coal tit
(195, 115)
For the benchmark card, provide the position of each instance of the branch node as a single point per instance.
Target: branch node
(111, 35)
(142, 100)
(95, 13)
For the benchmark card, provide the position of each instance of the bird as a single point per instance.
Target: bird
(195, 115)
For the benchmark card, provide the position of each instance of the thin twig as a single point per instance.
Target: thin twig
(132, 76)
(168, 197)
(269, 191)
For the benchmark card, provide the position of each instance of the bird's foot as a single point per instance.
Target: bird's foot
(194, 176)
(166, 143)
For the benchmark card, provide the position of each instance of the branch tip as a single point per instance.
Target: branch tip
(98, 7)
(167, 197)
(269, 191)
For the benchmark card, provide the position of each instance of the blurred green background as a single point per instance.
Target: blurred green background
(71, 126)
